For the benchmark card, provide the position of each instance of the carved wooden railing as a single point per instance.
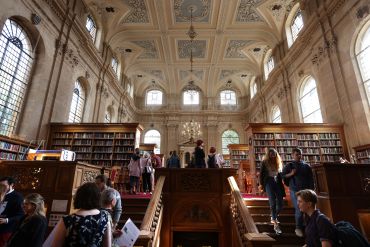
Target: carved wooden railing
(247, 231)
(150, 228)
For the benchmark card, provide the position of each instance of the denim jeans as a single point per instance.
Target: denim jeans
(134, 183)
(297, 213)
(275, 197)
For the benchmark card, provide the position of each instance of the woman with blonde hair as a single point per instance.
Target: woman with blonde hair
(271, 182)
(147, 170)
(32, 226)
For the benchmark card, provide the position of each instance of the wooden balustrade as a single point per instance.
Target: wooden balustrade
(150, 228)
(247, 231)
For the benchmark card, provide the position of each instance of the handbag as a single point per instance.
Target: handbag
(148, 169)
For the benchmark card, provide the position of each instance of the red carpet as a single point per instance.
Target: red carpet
(138, 195)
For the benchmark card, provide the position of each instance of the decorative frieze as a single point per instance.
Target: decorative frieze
(322, 51)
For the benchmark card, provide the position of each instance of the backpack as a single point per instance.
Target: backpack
(212, 161)
(347, 235)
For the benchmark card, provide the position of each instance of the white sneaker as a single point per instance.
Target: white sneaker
(274, 221)
(277, 229)
(298, 232)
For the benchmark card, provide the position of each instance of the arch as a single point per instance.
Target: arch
(16, 60)
(191, 97)
(275, 114)
(269, 63)
(153, 136)
(78, 103)
(154, 97)
(228, 97)
(229, 137)
(309, 101)
(294, 24)
(361, 54)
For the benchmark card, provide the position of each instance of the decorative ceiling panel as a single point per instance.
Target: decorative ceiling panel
(198, 47)
(247, 11)
(227, 73)
(234, 50)
(138, 12)
(201, 10)
(150, 50)
(156, 73)
(197, 73)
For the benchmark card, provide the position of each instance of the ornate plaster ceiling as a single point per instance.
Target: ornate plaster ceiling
(233, 37)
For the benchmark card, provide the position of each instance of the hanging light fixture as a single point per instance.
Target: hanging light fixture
(191, 130)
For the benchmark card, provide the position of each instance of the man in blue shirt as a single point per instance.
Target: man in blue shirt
(300, 177)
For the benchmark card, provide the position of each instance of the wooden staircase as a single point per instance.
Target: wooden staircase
(133, 208)
(260, 212)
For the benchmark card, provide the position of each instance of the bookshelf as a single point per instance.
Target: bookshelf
(105, 145)
(13, 149)
(363, 154)
(239, 159)
(319, 142)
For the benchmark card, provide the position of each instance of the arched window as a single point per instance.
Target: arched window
(253, 89)
(15, 66)
(191, 97)
(269, 64)
(154, 97)
(78, 104)
(153, 136)
(362, 56)
(91, 27)
(228, 97)
(294, 24)
(229, 137)
(309, 102)
(114, 64)
(275, 114)
(108, 116)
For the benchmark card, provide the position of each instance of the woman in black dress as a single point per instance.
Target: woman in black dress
(32, 227)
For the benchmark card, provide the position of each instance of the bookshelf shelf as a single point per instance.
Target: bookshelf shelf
(100, 144)
(363, 154)
(13, 149)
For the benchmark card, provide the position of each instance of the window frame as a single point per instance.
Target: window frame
(114, 65)
(228, 102)
(93, 29)
(253, 89)
(274, 116)
(73, 112)
(154, 104)
(224, 148)
(302, 96)
(18, 59)
(197, 92)
(157, 150)
(269, 64)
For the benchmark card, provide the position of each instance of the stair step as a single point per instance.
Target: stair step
(133, 216)
(123, 221)
(260, 202)
(287, 239)
(134, 208)
(269, 228)
(283, 218)
(266, 210)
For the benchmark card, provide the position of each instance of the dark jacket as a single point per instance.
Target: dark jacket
(30, 232)
(303, 178)
(263, 177)
(13, 211)
(199, 156)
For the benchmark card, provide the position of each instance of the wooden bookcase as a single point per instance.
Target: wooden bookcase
(13, 149)
(239, 159)
(319, 142)
(363, 154)
(146, 147)
(105, 145)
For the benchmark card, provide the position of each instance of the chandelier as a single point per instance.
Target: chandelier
(191, 130)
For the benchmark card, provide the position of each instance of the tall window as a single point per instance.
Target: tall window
(114, 64)
(153, 136)
(229, 137)
(253, 89)
(269, 64)
(309, 102)
(78, 103)
(296, 25)
(275, 114)
(91, 27)
(108, 116)
(362, 56)
(15, 66)
(191, 97)
(154, 97)
(228, 97)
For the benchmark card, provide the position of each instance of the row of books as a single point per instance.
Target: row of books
(90, 135)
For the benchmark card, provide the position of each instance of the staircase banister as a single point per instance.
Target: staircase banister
(245, 215)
